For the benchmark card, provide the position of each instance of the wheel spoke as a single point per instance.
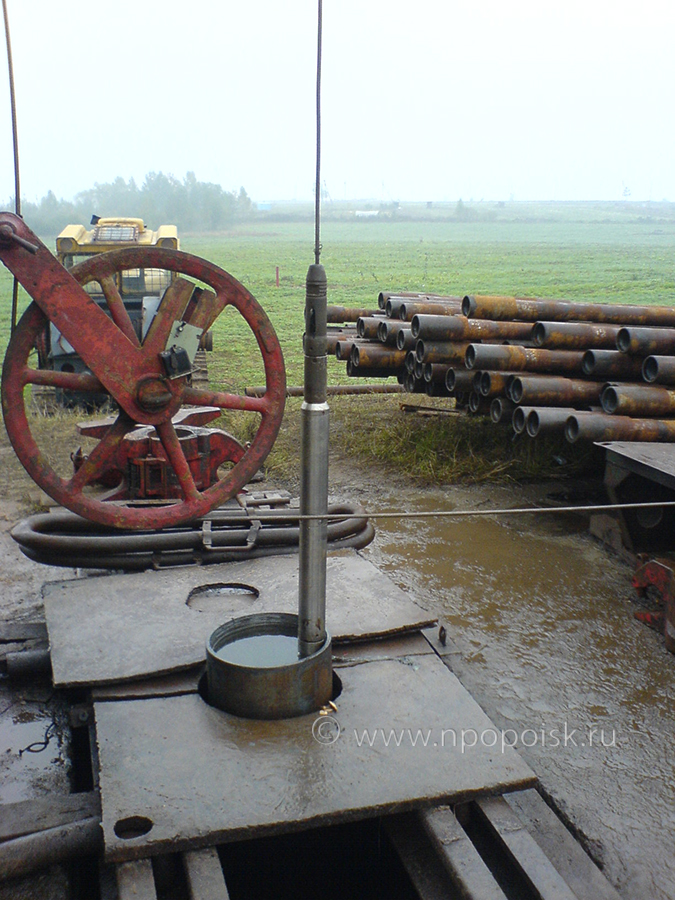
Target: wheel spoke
(118, 311)
(174, 301)
(102, 456)
(70, 381)
(199, 397)
(174, 451)
(209, 307)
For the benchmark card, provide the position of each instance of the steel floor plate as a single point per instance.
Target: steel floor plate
(109, 629)
(192, 776)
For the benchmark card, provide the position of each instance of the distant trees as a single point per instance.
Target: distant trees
(161, 200)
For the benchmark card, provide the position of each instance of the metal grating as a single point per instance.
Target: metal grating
(115, 233)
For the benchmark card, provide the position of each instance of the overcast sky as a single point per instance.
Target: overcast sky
(422, 100)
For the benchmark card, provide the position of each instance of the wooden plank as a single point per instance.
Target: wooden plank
(135, 880)
(566, 854)
(30, 816)
(459, 856)
(537, 869)
(423, 866)
(205, 875)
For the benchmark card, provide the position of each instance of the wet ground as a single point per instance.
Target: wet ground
(540, 629)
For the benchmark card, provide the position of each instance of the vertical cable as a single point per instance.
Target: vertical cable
(17, 184)
(317, 188)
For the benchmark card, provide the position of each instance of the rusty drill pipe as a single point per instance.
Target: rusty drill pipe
(499, 357)
(659, 370)
(535, 310)
(475, 384)
(365, 356)
(419, 370)
(335, 315)
(600, 427)
(440, 351)
(410, 360)
(367, 327)
(549, 390)
(435, 372)
(392, 307)
(388, 331)
(383, 296)
(344, 347)
(437, 389)
(405, 339)
(494, 383)
(610, 364)
(639, 400)
(459, 380)
(574, 335)
(519, 418)
(372, 372)
(646, 341)
(478, 406)
(459, 328)
(410, 308)
(501, 410)
(414, 385)
(547, 418)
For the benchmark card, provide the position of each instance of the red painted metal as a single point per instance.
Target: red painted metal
(133, 375)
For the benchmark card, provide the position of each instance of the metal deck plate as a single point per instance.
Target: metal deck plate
(126, 627)
(201, 777)
(652, 460)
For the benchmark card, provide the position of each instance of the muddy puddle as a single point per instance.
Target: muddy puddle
(541, 631)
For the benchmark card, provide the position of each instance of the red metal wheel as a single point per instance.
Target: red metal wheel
(133, 375)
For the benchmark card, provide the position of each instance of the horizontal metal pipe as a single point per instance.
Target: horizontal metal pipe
(519, 418)
(459, 328)
(375, 355)
(333, 390)
(639, 400)
(343, 348)
(459, 380)
(368, 327)
(646, 341)
(383, 296)
(371, 372)
(497, 357)
(494, 383)
(547, 418)
(478, 406)
(501, 409)
(440, 351)
(534, 310)
(414, 385)
(388, 332)
(549, 390)
(392, 307)
(435, 372)
(410, 308)
(24, 855)
(410, 359)
(405, 339)
(600, 427)
(659, 369)
(574, 335)
(610, 364)
(418, 371)
(337, 314)
(437, 389)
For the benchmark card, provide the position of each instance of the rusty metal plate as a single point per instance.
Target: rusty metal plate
(126, 627)
(190, 776)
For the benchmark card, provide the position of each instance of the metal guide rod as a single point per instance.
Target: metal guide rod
(314, 425)
(314, 480)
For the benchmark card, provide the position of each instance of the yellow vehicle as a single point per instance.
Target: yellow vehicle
(140, 289)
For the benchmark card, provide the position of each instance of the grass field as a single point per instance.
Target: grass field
(601, 252)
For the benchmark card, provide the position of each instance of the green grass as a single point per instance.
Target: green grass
(621, 253)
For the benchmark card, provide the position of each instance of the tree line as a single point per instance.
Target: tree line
(161, 200)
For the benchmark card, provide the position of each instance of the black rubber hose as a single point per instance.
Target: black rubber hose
(65, 539)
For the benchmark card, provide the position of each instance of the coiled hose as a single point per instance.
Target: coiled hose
(225, 535)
